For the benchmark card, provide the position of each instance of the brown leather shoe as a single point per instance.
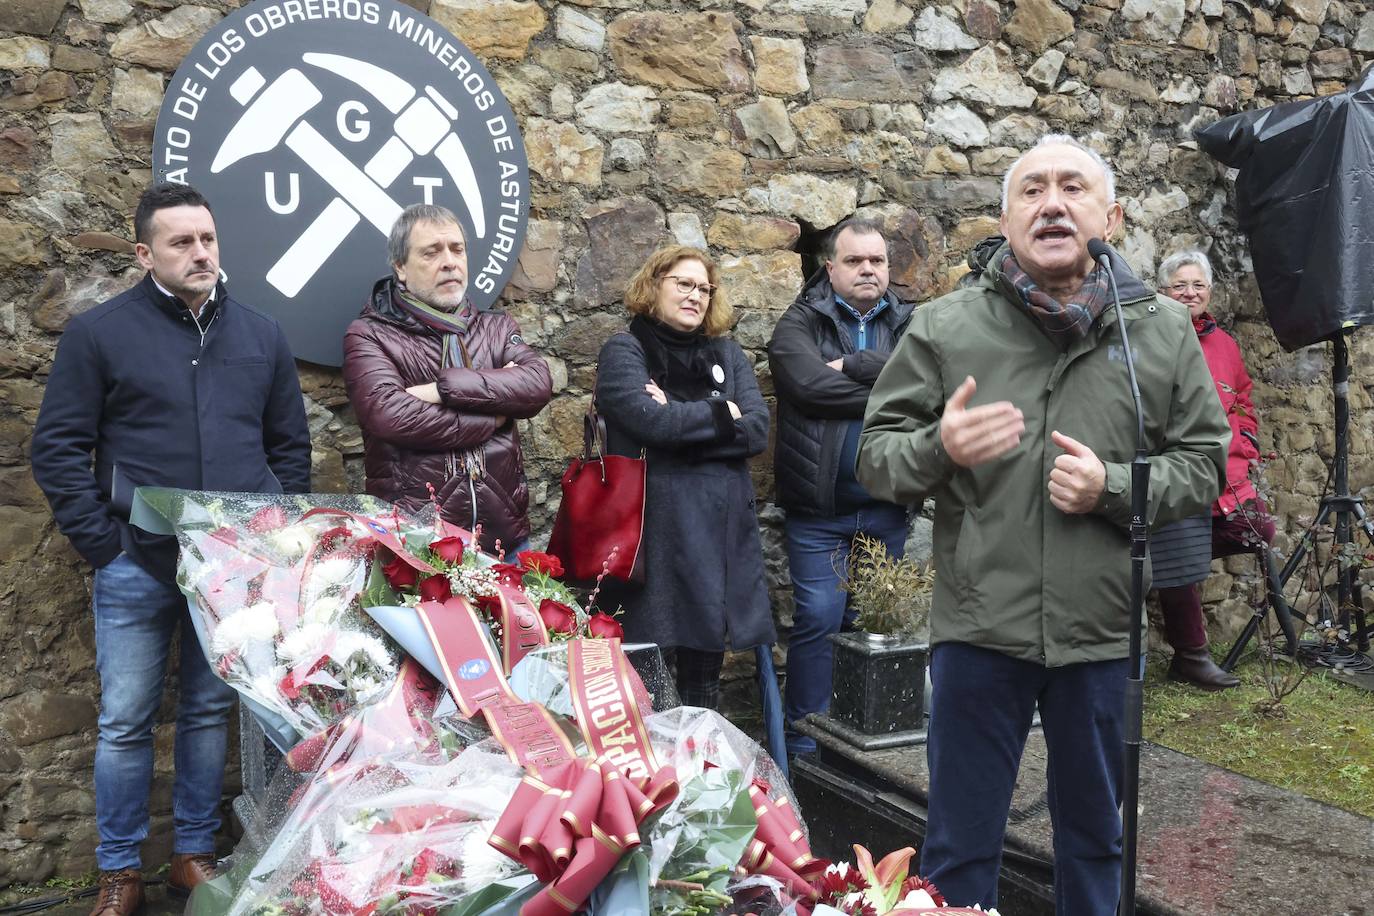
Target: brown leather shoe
(1195, 666)
(190, 869)
(121, 893)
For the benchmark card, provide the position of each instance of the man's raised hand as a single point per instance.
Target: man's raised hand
(974, 435)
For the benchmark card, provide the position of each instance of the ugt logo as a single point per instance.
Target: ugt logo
(310, 124)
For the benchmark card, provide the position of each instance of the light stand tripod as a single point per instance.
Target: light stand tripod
(1346, 508)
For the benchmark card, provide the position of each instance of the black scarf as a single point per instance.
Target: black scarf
(682, 363)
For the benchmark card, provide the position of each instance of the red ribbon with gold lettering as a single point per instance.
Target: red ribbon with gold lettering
(472, 672)
(522, 629)
(602, 687)
(571, 825)
(779, 848)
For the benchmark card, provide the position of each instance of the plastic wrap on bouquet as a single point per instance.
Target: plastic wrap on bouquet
(392, 817)
(273, 583)
(542, 677)
(705, 836)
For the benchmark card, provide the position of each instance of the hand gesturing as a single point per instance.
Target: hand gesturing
(974, 435)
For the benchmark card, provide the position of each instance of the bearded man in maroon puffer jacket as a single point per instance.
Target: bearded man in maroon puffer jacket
(437, 386)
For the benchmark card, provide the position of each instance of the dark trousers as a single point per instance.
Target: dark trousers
(818, 555)
(981, 708)
(697, 675)
(1243, 531)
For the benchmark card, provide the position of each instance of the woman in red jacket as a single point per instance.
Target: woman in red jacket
(1240, 521)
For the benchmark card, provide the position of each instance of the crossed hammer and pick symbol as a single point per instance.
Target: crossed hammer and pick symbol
(274, 115)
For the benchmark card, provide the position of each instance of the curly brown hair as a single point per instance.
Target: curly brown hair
(641, 296)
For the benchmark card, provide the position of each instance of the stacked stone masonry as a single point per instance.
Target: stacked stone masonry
(744, 125)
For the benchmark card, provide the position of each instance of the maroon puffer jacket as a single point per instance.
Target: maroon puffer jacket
(408, 443)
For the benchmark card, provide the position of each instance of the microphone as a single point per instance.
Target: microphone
(1140, 538)
(1102, 253)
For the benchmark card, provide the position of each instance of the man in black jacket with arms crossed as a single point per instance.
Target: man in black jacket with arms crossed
(826, 352)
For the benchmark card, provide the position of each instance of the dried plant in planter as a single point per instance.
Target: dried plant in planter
(892, 596)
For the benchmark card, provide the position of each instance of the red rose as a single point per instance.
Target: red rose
(400, 574)
(268, 518)
(288, 687)
(436, 588)
(559, 618)
(547, 563)
(604, 626)
(489, 605)
(449, 549)
(508, 573)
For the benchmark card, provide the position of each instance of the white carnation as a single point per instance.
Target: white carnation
(293, 540)
(323, 610)
(257, 622)
(483, 865)
(305, 643)
(368, 649)
(334, 571)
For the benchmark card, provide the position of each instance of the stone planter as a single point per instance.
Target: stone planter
(879, 683)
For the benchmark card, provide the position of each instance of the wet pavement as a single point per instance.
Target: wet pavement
(1211, 842)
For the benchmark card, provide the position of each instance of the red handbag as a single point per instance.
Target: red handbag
(601, 518)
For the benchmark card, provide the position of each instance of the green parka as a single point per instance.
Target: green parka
(1013, 573)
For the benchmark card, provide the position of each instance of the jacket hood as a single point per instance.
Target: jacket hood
(987, 254)
(379, 305)
(817, 293)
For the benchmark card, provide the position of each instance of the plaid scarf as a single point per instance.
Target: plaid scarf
(451, 325)
(1062, 322)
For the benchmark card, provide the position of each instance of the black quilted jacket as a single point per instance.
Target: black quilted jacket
(814, 401)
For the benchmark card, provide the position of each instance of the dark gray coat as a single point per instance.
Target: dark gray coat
(704, 583)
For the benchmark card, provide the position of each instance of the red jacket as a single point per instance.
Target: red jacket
(458, 446)
(1233, 387)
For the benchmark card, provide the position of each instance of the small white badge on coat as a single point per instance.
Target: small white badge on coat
(718, 374)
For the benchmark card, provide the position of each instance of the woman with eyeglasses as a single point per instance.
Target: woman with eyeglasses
(1181, 553)
(675, 386)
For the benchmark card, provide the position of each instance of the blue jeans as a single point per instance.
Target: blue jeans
(981, 708)
(135, 619)
(817, 554)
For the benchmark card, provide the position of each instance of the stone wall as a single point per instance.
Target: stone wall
(746, 126)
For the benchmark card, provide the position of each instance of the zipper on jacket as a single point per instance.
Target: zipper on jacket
(472, 491)
(203, 330)
(470, 466)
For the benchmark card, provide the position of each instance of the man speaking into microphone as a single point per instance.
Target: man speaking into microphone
(1008, 402)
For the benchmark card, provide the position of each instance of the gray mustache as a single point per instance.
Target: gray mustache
(1055, 222)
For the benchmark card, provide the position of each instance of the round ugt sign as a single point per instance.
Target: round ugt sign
(310, 124)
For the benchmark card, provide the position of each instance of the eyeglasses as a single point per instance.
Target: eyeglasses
(1196, 286)
(685, 285)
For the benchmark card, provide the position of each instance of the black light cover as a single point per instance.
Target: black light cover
(1305, 199)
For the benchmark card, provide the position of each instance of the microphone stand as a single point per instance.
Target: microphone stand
(1135, 678)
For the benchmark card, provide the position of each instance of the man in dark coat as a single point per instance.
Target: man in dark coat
(172, 383)
(826, 352)
(437, 384)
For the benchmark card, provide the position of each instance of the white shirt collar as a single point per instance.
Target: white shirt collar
(171, 295)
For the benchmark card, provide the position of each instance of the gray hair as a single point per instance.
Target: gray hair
(1180, 259)
(855, 224)
(1064, 140)
(398, 243)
